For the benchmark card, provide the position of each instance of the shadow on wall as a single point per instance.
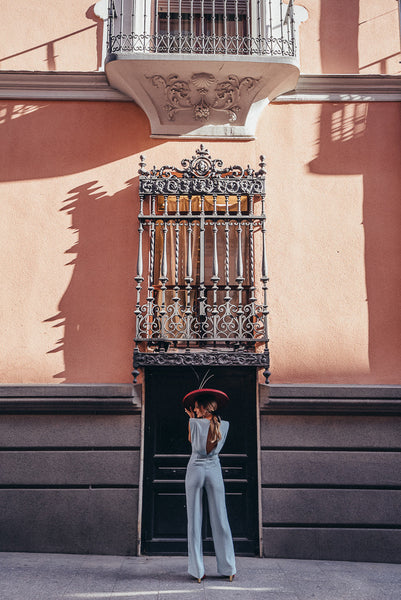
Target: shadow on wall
(364, 138)
(66, 137)
(339, 27)
(41, 141)
(51, 46)
(96, 310)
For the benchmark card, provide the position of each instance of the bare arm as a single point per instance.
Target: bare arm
(191, 415)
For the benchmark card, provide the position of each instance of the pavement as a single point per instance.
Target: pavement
(74, 577)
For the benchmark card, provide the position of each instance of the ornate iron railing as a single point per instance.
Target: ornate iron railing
(203, 229)
(233, 27)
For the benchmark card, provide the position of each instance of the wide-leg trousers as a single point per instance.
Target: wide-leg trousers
(205, 473)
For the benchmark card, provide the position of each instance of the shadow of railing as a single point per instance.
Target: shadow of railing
(363, 138)
(96, 309)
(50, 46)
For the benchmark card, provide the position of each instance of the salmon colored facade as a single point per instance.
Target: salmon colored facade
(69, 184)
(69, 205)
(69, 177)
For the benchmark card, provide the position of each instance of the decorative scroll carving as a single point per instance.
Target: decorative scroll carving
(202, 186)
(218, 359)
(203, 92)
(225, 321)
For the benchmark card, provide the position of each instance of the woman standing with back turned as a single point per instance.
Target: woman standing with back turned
(207, 434)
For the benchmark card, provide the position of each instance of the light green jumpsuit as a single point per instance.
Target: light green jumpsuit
(204, 472)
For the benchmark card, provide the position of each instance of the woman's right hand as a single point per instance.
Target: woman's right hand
(190, 413)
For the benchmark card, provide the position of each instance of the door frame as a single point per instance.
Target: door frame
(257, 457)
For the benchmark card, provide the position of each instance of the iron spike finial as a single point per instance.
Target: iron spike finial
(142, 165)
(262, 165)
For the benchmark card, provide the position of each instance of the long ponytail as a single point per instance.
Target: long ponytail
(215, 434)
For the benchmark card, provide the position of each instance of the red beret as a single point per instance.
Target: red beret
(220, 397)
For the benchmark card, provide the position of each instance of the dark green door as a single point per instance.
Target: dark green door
(167, 452)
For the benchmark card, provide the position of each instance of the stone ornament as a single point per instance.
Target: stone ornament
(204, 92)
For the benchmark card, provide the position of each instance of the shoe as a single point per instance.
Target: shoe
(199, 579)
(231, 577)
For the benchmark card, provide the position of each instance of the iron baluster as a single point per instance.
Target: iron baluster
(225, 27)
(270, 36)
(192, 26)
(240, 279)
(190, 206)
(176, 316)
(150, 299)
(202, 288)
(139, 280)
(291, 35)
(168, 27)
(264, 278)
(133, 11)
(248, 32)
(236, 27)
(145, 18)
(215, 205)
(121, 22)
(179, 25)
(215, 280)
(227, 288)
(177, 262)
(163, 281)
(188, 282)
(252, 288)
(111, 25)
(156, 27)
(259, 27)
(203, 25)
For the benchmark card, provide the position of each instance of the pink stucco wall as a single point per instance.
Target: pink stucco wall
(350, 36)
(68, 173)
(341, 36)
(50, 36)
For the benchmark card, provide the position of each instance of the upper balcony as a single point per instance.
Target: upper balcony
(202, 68)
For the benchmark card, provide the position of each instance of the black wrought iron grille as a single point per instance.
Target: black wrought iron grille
(203, 228)
(261, 27)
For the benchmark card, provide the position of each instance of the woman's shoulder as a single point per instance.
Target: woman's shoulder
(197, 421)
(224, 423)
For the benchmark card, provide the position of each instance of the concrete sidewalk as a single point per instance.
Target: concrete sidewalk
(75, 577)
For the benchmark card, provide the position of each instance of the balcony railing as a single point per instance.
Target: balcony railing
(212, 27)
(205, 285)
(203, 68)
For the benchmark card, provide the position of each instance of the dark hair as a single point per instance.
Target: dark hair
(209, 403)
(206, 400)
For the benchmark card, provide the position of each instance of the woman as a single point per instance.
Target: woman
(207, 434)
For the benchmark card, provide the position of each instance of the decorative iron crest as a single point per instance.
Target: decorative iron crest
(207, 359)
(203, 93)
(202, 175)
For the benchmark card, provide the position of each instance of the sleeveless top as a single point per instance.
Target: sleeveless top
(199, 431)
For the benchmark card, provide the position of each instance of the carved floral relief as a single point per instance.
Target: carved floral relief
(203, 92)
